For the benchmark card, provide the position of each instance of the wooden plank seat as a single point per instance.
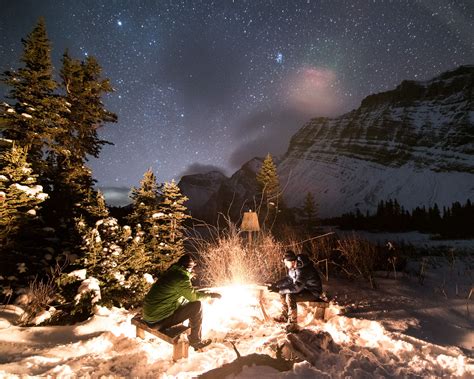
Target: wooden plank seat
(171, 335)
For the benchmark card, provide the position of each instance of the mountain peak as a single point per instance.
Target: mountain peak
(410, 91)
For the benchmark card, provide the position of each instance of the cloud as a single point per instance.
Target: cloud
(198, 168)
(267, 132)
(116, 196)
(307, 92)
(314, 89)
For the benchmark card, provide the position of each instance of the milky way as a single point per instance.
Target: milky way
(206, 84)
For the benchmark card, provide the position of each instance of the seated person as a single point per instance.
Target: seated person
(172, 300)
(302, 283)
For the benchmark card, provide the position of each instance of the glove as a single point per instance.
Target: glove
(214, 295)
(272, 287)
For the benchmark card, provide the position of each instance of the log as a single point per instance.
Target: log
(308, 345)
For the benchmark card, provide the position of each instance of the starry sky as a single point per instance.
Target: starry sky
(202, 85)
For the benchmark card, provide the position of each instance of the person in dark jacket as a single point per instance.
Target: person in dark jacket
(172, 300)
(302, 283)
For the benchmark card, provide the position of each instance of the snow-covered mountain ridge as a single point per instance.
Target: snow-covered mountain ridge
(414, 143)
(430, 124)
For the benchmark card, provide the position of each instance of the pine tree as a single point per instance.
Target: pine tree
(146, 200)
(84, 87)
(73, 193)
(98, 208)
(117, 260)
(269, 190)
(20, 199)
(170, 218)
(35, 120)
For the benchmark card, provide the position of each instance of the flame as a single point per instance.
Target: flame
(238, 307)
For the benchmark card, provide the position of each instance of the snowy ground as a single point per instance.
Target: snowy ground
(403, 329)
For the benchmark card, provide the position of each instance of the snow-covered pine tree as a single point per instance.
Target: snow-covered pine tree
(135, 266)
(170, 217)
(269, 191)
(20, 199)
(98, 208)
(118, 260)
(73, 194)
(146, 200)
(35, 119)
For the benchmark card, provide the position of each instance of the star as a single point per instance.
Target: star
(279, 58)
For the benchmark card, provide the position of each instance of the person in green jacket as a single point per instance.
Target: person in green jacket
(172, 300)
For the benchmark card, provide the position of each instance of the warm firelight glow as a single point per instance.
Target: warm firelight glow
(238, 306)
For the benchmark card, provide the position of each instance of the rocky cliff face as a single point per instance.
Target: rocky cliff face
(414, 143)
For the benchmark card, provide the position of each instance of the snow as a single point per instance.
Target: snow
(89, 285)
(420, 240)
(35, 191)
(342, 185)
(80, 274)
(404, 329)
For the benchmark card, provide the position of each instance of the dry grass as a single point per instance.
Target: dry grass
(360, 257)
(40, 294)
(232, 256)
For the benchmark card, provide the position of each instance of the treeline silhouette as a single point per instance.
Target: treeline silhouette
(450, 222)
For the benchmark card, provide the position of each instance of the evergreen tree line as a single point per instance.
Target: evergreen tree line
(450, 222)
(52, 220)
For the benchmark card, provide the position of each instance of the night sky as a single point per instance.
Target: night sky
(210, 84)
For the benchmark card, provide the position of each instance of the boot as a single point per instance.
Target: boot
(292, 327)
(200, 344)
(281, 318)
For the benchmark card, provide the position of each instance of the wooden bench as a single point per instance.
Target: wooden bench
(171, 335)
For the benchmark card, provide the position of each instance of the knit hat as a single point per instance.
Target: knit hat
(186, 261)
(289, 256)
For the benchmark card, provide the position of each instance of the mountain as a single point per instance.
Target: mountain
(414, 143)
(199, 188)
(211, 194)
